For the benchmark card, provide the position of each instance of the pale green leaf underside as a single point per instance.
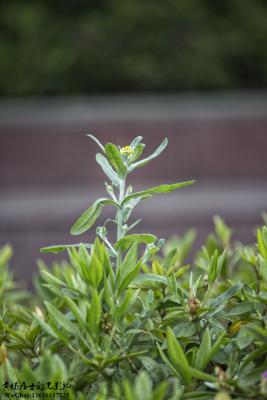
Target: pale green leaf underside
(143, 278)
(126, 241)
(88, 218)
(107, 169)
(62, 247)
(97, 142)
(155, 154)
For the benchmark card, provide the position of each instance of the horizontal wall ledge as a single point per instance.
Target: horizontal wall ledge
(21, 210)
(194, 106)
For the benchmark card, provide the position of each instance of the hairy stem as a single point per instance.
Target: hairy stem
(119, 219)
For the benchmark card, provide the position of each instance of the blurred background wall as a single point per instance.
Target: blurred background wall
(193, 71)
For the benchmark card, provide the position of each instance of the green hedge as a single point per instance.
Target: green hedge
(68, 47)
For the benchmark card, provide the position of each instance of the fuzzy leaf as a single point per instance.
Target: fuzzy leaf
(178, 356)
(96, 141)
(157, 190)
(226, 295)
(128, 240)
(155, 154)
(115, 159)
(96, 268)
(61, 319)
(203, 351)
(95, 312)
(62, 247)
(107, 169)
(143, 278)
(88, 218)
(137, 152)
(136, 141)
(128, 277)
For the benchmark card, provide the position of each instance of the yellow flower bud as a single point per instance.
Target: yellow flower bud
(127, 151)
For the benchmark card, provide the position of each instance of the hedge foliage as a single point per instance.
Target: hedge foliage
(81, 47)
(132, 319)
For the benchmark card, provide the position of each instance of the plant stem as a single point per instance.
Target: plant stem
(119, 219)
(258, 278)
(120, 211)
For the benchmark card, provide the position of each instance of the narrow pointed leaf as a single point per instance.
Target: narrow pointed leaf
(126, 241)
(128, 263)
(137, 152)
(203, 351)
(88, 218)
(46, 327)
(115, 159)
(107, 169)
(128, 277)
(226, 295)
(62, 247)
(96, 141)
(202, 376)
(96, 268)
(62, 320)
(178, 356)
(136, 141)
(146, 278)
(157, 190)
(155, 154)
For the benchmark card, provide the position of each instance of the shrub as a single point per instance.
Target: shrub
(69, 47)
(131, 319)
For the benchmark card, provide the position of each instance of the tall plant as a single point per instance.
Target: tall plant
(117, 163)
(116, 323)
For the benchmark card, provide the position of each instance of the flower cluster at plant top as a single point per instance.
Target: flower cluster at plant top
(127, 151)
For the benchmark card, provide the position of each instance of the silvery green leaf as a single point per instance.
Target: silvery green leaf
(126, 241)
(157, 190)
(108, 170)
(137, 152)
(62, 247)
(88, 218)
(177, 356)
(96, 141)
(144, 278)
(128, 208)
(114, 157)
(156, 153)
(96, 268)
(101, 231)
(134, 224)
(226, 295)
(136, 141)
